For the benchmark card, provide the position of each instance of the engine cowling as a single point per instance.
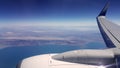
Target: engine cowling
(93, 57)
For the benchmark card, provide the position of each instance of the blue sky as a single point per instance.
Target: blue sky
(55, 11)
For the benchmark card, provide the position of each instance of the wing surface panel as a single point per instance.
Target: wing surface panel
(110, 32)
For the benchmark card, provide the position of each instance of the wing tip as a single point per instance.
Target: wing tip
(104, 10)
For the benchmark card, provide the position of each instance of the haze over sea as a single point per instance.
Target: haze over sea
(26, 41)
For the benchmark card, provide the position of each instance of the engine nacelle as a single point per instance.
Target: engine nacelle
(94, 57)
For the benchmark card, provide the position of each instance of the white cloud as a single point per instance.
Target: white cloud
(54, 25)
(3, 46)
(35, 38)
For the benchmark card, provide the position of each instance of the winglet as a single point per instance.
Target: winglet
(104, 10)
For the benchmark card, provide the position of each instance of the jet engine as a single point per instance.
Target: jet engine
(92, 57)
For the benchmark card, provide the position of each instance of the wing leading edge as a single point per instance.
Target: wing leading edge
(110, 31)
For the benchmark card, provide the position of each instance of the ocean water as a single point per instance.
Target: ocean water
(10, 57)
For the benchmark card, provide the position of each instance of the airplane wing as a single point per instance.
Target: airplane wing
(110, 31)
